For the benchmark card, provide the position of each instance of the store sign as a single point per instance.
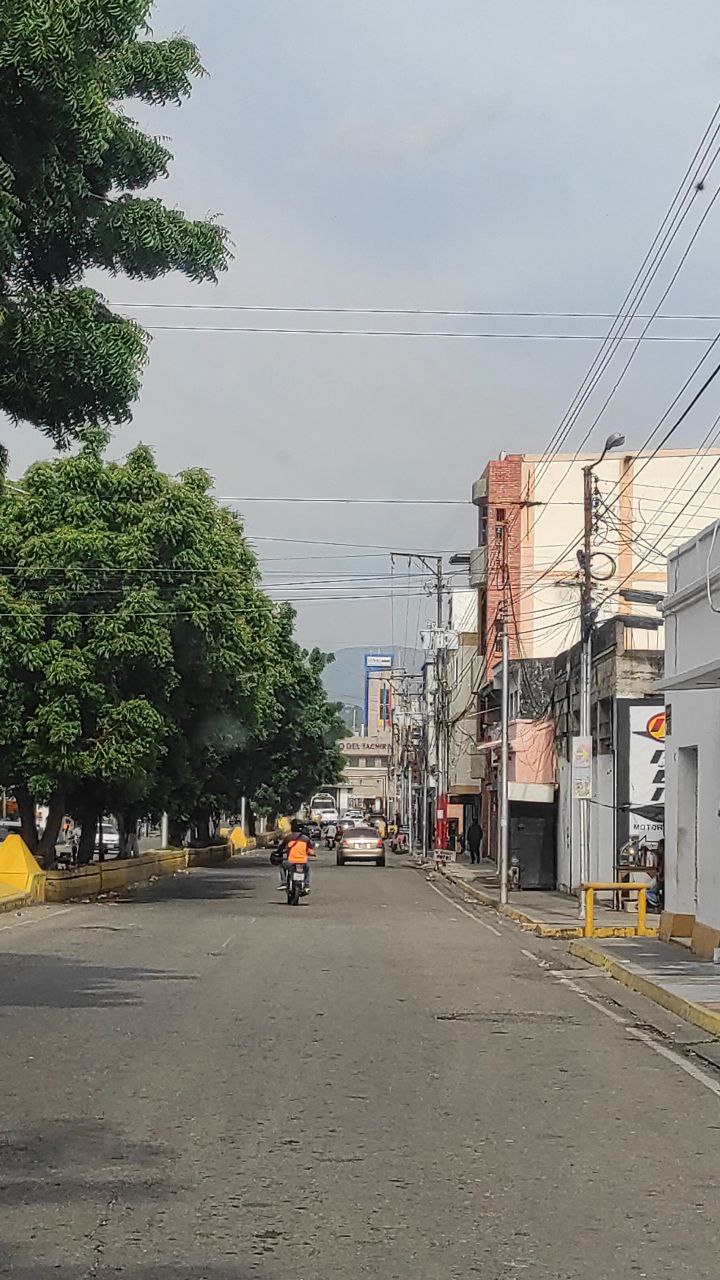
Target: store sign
(582, 768)
(648, 727)
(363, 747)
(378, 661)
(655, 727)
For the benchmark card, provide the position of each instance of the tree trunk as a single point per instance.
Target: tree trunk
(250, 819)
(177, 831)
(127, 831)
(202, 831)
(48, 840)
(28, 825)
(89, 814)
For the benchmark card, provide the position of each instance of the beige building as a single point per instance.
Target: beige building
(366, 775)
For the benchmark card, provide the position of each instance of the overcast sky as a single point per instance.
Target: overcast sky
(408, 153)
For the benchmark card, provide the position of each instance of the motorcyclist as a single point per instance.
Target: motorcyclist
(296, 849)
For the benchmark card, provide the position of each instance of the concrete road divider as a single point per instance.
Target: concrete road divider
(20, 873)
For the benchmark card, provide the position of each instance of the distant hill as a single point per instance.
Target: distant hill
(344, 679)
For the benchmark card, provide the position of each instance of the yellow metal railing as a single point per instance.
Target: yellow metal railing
(627, 886)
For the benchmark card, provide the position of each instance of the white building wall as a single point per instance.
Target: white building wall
(602, 820)
(692, 867)
(693, 884)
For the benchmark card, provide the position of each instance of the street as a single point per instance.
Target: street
(200, 1082)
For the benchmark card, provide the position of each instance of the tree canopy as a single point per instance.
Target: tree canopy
(142, 667)
(71, 164)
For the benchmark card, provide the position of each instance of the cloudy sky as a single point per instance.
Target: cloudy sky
(461, 155)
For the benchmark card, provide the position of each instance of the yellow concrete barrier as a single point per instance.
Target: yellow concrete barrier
(238, 839)
(20, 872)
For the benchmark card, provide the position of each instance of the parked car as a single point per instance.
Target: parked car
(110, 840)
(361, 844)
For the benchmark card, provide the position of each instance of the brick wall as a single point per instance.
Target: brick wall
(504, 491)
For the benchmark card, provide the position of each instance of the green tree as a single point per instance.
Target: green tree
(297, 752)
(71, 161)
(289, 754)
(132, 630)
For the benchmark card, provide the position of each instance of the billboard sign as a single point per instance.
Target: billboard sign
(378, 661)
(647, 769)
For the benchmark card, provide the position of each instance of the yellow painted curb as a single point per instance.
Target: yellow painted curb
(707, 1019)
(541, 928)
(526, 922)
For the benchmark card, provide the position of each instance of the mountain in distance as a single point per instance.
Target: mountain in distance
(344, 679)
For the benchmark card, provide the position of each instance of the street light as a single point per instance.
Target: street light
(614, 441)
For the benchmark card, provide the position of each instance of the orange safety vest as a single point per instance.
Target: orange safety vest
(297, 852)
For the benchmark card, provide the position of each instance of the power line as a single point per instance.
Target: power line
(642, 560)
(416, 333)
(627, 310)
(326, 542)
(641, 338)
(396, 311)
(361, 502)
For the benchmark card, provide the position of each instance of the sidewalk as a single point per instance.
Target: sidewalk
(546, 914)
(662, 971)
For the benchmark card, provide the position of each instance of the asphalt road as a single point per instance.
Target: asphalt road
(200, 1083)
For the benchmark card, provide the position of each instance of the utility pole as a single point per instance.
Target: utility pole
(586, 630)
(410, 806)
(587, 623)
(504, 759)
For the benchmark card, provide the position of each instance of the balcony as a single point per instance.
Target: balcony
(478, 567)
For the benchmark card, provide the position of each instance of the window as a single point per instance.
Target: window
(483, 523)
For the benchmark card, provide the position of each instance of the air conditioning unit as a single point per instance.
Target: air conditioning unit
(478, 567)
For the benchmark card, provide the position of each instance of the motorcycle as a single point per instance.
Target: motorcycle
(295, 884)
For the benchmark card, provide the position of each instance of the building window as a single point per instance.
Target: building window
(483, 523)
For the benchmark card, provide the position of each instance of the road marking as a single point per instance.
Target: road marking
(689, 1067)
(561, 978)
(469, 914)
(602, 1008)
(63, 911)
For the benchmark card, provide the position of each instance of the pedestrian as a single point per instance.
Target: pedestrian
(474, 839)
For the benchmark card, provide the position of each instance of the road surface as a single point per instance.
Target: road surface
(200, 1083)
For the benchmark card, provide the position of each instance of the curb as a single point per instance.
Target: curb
(541, 930)
(15, 902)
(706, 1019)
